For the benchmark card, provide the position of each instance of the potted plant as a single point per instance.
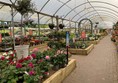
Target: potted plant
(23, 7)
(61, 26)
(51, 26)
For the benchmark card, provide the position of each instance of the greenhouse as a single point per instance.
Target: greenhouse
(58, 41)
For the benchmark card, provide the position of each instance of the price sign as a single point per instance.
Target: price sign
(83, 35)
(67, 38)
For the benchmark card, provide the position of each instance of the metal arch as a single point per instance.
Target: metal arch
(2, 6)
(113, 18)
(87, 3)
(89, 21)
(61, 7)
(97, 10)
(44, 5)
(102, 15)
(94, 7)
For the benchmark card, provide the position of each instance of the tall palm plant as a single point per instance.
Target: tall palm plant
(23, 7)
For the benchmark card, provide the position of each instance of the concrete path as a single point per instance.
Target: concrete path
(100, 66)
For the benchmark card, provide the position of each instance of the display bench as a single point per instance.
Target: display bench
(61, 74)
(95, 42)
(82, 51)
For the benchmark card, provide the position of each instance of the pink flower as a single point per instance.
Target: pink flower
(31, 72)
(48, 48)
(33, 55)
(41, 60)
(18, 65)
(2, 57)
(47, 57)
(31, 65)
(35, 50)
(40, 77)
(59, 51)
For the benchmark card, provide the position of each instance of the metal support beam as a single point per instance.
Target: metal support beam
(95, 11)
(38, 26)
(12, 20)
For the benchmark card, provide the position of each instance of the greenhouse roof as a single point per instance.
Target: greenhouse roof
(103, 11)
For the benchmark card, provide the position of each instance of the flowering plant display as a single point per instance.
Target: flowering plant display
(31, 69)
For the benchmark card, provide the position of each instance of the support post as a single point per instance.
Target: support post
(12, 20)
(38, 26)
(57, 22)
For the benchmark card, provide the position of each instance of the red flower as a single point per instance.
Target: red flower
(20, 61)
(11, 63)
(14, 51)
(31, 72)
(18, 65)
(46, 73)
(9, 59)
(33, 55)
(31, 65)
(12, 55)
(2, 57)
(27, 58)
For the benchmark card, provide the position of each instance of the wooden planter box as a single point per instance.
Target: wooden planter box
(82, 51)
(95, 42)
(61, 74)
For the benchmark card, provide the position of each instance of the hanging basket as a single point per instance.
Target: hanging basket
(51, 26)
(61, 26)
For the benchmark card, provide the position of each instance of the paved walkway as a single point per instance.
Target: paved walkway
(100, 66)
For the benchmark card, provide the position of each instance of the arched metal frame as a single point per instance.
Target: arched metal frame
(94, 7)
(115, 20)
(79, 24)
(90, 8)
(95, 11)
(73, 8)
(107, 15)
(90, 2)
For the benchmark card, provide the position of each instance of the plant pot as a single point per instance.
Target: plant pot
(56, 67)
(22, 51)
(20, 80)
(61, 26)
(51, 26)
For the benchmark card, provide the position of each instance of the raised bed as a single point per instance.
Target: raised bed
(95, 42)
(61, 74)
(81, 51)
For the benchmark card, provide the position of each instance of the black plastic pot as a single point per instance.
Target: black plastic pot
(51, 26)
(61, 26)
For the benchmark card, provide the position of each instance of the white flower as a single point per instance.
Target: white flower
(10, 52)
(5, 54)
